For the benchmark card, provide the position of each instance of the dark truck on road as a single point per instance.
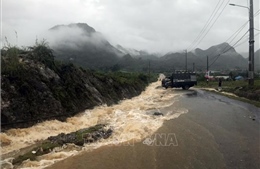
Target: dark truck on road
(183, 80)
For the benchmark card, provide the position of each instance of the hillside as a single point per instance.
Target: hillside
(257, 60)
(82, 45)
(35, 87)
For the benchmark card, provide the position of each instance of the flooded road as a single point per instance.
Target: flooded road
(217, 133)
(131, 120)
(198, 130)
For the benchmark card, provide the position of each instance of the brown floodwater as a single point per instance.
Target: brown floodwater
(216, 133)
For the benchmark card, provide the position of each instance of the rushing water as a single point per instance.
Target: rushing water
(131, 119)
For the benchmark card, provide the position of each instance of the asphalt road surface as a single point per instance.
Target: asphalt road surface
(216, 133)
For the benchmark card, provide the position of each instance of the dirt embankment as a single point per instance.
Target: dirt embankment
(35, 88)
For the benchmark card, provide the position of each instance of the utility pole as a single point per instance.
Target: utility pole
(251, 45)
(193, 67)
(251, 42)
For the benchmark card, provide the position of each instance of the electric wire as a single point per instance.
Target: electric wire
(228, 49)
(211, 26)
(235, 35)
(245, 40)
(205, 26)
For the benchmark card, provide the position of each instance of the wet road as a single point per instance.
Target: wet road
(217, 133)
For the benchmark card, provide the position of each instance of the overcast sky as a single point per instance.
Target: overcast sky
(151, 25)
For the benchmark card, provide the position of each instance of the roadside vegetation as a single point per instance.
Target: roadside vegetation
(239, 88)
(37, 87)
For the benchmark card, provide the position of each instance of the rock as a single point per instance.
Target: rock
(158, 114)
(86, 135)
(54, 143)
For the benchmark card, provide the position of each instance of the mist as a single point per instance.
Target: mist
(73, 37)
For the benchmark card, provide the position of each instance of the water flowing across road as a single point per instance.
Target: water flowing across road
(217, 132)
(131, 119)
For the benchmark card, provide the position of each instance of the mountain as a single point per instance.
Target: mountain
(87, 29)
(244, 54)
(176, 61)
(216, 49)
(132, 52)
(221, 56)
(81, 44)
(140, 54)
(256, 56)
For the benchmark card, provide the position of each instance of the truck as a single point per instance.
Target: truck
(178, 79)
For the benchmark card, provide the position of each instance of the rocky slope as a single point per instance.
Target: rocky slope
(35, 87)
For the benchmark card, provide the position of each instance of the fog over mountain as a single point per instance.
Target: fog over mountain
(81, 44)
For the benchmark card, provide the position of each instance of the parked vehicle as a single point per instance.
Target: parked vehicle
(183, 80)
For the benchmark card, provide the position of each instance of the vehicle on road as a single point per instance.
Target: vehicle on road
(183, 80)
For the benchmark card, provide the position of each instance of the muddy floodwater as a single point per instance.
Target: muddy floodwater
(216, 133)
(198, 129)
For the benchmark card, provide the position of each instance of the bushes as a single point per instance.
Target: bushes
(240, 88)
(38, 88)
(251, 93)
(129, 78)
(10, 61)
(42, 53)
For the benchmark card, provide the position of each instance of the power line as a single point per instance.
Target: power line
(211, 25)
(216, 57)
(237, 32)
(235, 35)
(257, 13)
(205, 26)
(228, 49)
(227, 41)
(216, 10)
(245, 40)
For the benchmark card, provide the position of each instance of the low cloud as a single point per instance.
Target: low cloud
(152, 25)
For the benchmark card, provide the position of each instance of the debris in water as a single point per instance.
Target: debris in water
(158, 114)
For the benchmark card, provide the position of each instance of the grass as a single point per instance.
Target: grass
(47, 146)
(227, 83)
(44, 148)
(245, 93)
